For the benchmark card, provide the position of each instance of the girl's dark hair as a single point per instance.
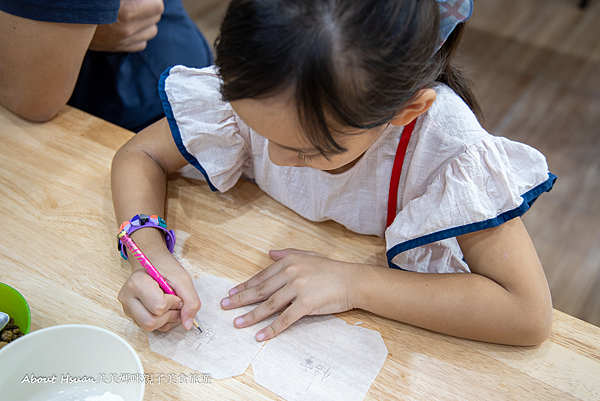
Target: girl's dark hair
(358, 62)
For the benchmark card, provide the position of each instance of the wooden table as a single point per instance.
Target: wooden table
(58, 249)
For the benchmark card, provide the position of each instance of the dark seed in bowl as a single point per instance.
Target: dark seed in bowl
(10, 333)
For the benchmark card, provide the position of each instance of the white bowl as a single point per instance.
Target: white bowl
(72, 359)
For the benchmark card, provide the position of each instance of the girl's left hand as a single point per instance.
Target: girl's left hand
(313, 283)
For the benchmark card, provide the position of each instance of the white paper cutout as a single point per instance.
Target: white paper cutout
(321, 357)
(318, 357)
(221, 350)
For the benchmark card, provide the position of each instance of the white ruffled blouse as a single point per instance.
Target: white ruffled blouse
(456, 177)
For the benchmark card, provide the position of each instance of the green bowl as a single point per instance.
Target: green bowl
(13, 303)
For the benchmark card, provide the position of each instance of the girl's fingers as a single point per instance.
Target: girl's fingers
(259, 278)
(191, 303)
(168, 326)
(270, 271)
(145, 302)
(147, 320)
(144, 288)
(287, 317)
(272, 305)
(257, 293)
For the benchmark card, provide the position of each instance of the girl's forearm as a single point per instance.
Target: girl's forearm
(139, 181)
(465, 305)
(138, 186)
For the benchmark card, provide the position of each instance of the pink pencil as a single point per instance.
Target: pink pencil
(150, 269)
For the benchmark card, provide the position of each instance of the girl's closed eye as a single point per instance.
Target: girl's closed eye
(307, 158)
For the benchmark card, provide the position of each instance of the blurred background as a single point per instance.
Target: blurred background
(536, 69)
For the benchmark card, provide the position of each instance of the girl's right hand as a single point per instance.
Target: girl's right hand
(145, 302)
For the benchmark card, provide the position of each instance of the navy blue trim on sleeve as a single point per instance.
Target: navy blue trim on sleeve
(175, 129)
(528, 198)
(92, 12)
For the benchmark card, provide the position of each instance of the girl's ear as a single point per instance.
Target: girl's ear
(423, 101)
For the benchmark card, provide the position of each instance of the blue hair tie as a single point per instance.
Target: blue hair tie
(452, 13)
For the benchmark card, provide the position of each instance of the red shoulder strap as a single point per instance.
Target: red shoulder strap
(396, 170)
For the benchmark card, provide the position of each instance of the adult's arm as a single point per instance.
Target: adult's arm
(39, 64)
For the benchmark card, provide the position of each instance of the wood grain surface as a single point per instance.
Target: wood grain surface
(58, 249)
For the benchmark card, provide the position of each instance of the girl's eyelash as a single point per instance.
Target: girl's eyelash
(307, 158)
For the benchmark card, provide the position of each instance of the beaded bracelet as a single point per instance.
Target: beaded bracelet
(142, 221)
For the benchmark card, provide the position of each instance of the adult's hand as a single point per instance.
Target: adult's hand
(135, 26)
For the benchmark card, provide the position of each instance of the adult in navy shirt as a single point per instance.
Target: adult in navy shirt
(104, 57)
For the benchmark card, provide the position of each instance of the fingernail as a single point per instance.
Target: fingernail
(260, 336)
(188, 323)
(239, 321)
(225, 302)
(180, 305)
(233, 291)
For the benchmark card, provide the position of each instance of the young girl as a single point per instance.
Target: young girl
(315, 101)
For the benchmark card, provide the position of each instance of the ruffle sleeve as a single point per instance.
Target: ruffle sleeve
(204, 127)
(494, 180)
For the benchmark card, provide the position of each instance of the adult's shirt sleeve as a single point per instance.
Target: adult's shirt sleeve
(94, 12)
